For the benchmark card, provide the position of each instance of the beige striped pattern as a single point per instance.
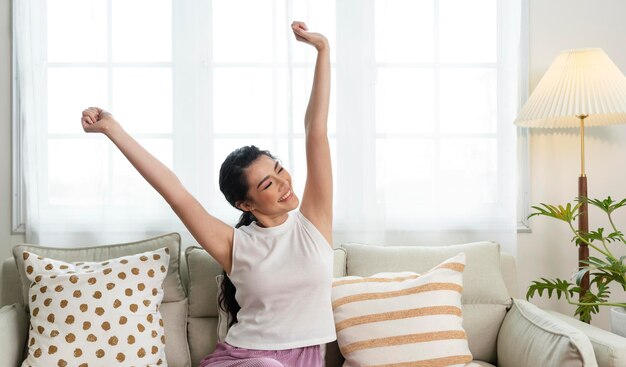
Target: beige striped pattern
(454, 266)
(402, 319)
(403, 314)
(392, 294)
(436, 362)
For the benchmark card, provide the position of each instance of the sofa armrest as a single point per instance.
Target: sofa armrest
(530, 336)
(13, 334)
(609, 348)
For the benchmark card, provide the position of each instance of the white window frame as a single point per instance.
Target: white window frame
(205, 131)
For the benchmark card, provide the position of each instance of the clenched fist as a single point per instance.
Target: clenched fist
(302, 34)
(96, 120)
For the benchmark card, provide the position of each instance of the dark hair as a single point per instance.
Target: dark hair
(234, 186)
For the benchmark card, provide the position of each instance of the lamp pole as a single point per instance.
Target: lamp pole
(583, 219)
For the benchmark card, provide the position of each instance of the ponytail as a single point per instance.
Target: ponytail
(245, 219)
(227, 300)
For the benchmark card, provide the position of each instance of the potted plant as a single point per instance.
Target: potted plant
(603, 269)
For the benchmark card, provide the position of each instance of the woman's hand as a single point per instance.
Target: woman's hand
(302, 34)
(96, 120)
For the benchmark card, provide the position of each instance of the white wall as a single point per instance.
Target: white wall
(557, 25)
(7, 240)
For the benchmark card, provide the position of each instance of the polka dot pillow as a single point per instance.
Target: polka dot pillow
(96, 313)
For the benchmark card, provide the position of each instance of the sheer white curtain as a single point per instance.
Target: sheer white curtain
(422, 101)
(427, 91)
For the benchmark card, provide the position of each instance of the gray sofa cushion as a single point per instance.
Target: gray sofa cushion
(609, 348)
(531, 337)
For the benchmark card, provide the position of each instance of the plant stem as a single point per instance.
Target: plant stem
(606, 248)
(609, 254)
(614, 228)
(569, 300)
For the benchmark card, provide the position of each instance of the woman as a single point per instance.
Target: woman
(279, 260)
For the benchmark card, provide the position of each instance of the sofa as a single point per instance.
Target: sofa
(502, 330)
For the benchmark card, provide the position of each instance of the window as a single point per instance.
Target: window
(423, 99)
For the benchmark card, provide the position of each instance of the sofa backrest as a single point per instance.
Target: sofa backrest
(198, 272)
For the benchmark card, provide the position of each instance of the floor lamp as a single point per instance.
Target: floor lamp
(581, 88)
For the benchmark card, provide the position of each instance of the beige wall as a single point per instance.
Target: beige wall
(557, 25)
(7, 239)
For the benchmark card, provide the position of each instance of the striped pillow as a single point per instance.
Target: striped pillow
(402, 319)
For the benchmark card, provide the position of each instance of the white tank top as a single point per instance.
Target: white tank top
(283, 276)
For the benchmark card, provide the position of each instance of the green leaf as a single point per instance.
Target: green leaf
(566, 214)
(607, 205)
(550, 286)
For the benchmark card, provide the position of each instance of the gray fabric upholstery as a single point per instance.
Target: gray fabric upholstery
(509, 274)
(202, 332)
(175, 327)
(531, 337)
(609, 348)
(11, 283)
(13, 334)
(202, 270)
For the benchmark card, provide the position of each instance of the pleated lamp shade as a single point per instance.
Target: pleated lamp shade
(579, 82)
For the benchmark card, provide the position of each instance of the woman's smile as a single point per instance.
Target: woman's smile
(287, 196)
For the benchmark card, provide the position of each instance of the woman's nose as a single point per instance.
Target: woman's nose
(282, 183)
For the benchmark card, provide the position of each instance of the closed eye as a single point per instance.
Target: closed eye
(279, 171)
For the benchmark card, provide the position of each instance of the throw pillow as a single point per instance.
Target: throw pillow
(402, 318)
(96, 313)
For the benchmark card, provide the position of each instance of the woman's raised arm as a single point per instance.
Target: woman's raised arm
(211, 233)
(317, 200)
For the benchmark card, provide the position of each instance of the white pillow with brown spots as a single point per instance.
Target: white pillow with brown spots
(96, 313)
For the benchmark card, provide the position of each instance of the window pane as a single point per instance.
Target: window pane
(76, 171)
(468, 30)
(142, 99)
(302, 82)
(249, 100)
(404, 30)
(404, 100)
(319, 16)
(128, 186)
(468, 101)
(468, 172)
(67, 96)
(243, 30)
(404, 175)
(142, 30)
(84, 38)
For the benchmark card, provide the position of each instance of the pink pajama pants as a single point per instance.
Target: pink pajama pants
(226, 355)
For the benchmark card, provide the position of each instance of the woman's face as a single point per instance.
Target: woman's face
(270, 190)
